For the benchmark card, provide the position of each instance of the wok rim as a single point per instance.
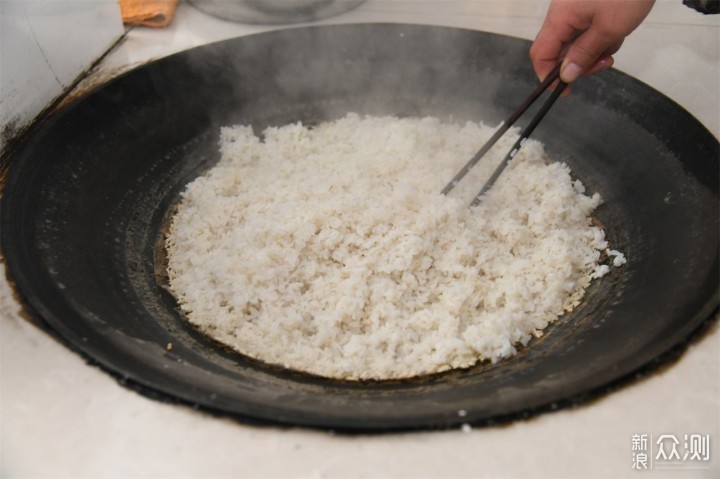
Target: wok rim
(41, 308)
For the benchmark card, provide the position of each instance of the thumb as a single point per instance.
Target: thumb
(585, 52)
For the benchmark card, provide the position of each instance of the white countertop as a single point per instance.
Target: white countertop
(62, 418)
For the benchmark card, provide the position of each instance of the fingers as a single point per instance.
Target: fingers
(544, 53)
(588, 52)
(584, 34)
(603, 63)
(550, 43)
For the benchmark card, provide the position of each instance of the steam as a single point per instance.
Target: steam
(316, 74)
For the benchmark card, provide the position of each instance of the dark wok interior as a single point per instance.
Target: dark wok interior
(88, 194)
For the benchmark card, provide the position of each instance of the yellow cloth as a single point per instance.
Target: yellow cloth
(148, 13)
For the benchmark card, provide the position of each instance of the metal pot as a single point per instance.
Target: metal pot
(275, 11)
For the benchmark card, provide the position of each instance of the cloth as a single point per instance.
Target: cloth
(704, 6)
(148, 13)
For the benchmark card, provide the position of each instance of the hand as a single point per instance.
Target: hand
(587, 32)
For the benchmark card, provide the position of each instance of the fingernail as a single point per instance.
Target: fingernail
(606, 63)
(570, 72)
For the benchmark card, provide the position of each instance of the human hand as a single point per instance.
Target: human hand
(587, 32)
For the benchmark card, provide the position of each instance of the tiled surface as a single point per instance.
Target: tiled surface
(44, 47)
(62, 418)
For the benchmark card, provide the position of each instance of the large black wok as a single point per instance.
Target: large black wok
(86, 200)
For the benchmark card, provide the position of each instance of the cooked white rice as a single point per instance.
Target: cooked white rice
(330, 250)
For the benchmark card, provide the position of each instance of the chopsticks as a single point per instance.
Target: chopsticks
(554, 75)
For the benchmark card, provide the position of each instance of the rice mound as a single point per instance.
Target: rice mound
(329, 249)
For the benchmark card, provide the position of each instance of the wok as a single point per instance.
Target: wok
(89, 193)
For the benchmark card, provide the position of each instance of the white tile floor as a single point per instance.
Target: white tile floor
(62, 418)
